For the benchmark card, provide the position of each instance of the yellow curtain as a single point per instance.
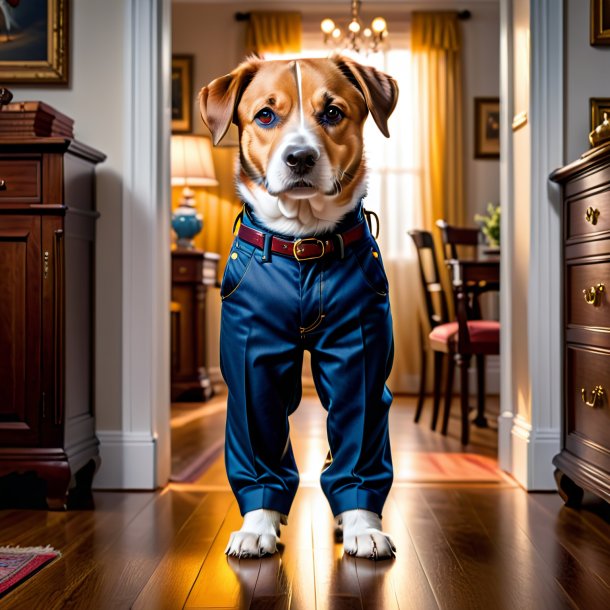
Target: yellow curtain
(435, 40)
(273, 32)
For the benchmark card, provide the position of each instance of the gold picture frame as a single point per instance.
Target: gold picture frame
(600, 22)
(34, 42)
(182, 93)
(487, 128)
(598, 105)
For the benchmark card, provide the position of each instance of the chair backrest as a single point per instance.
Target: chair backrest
(462, 237)
(434, 295)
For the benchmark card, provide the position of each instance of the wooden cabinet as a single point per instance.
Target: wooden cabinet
(193, 272)
(584, 460)
(47, 248)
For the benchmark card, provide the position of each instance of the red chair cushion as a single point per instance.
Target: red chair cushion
(483, 333)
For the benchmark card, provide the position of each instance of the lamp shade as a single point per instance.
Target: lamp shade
(192, 163)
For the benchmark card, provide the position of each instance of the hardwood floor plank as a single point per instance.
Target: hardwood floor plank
(529, 534)
(171, 582)
(224, 582)
(79, 535)
(411, 586)
(450, 583)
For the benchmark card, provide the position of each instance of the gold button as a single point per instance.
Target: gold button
(234, 255)
(375, 254)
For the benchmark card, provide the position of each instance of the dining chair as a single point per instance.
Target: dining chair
(475, 336)
(437, 315)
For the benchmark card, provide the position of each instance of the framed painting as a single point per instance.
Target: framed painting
(487, 128)
(34, 41)
(598, 105)
(600, 22)
(182, 93)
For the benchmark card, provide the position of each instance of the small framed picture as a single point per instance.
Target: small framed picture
(599, 105)
(34, 41)
(487, 128)
(600, 22)
(182, 93)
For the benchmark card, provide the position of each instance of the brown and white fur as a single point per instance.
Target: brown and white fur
(301, 174)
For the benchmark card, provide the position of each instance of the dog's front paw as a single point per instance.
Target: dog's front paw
(362, 535)
(258, 535)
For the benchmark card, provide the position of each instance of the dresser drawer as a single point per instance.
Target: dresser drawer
(587, 309)
(20, 181)
(578, 224)
(588, 425)
(187, 269)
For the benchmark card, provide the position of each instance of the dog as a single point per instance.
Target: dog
(304, 273)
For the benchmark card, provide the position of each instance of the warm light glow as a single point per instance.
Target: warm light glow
(379, 25)
(355, 35)
(328, 25)
(191, 161)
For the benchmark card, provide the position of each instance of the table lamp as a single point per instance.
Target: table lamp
(192, 165)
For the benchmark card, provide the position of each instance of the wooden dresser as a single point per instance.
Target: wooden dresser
(47, 249)
(193, 272)
(584, 460)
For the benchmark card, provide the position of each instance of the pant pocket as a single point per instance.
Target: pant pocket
(236, 269)
(371, 266)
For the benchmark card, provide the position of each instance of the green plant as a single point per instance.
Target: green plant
(490, 224)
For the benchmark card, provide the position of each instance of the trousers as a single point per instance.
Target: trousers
(336, 307)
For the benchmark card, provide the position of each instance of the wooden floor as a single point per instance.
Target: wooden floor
(481, 544)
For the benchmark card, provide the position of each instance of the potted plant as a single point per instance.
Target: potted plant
(490, 224)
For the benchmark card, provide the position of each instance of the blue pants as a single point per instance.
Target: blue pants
(338, 309)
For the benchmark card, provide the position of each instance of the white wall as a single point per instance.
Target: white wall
(586, 76)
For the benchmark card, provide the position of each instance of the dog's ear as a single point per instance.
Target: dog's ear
(219, 99)
(380, 90)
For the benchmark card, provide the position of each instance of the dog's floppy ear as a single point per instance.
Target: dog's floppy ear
(218, 100)
(380, 90)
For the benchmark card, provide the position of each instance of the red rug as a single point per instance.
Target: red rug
(19, 563)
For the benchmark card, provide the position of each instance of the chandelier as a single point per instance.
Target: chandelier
(355, 36)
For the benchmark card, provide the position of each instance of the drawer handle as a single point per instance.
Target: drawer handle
(593, 294)
(591, 215)
(2, 184)
(596, 393)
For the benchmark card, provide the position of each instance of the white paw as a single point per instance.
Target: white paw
(258, 535)
(362, 535)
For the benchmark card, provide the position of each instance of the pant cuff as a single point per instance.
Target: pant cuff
(264, 497)
(352, 499)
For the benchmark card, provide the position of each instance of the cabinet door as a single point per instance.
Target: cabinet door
(21, 270)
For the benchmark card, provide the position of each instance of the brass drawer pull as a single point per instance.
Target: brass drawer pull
(596, 393)
(593, 294)
(591, 215)
(3, 185)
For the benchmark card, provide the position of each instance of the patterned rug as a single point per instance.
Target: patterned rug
(17, 564)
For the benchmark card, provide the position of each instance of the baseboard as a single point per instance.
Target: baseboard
(128, 460)
(532, 454)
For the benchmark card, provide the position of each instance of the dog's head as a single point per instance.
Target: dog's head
(300, 131)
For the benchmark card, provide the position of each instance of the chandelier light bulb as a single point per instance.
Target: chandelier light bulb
(355, 35)
(379, 25)
(327, 25)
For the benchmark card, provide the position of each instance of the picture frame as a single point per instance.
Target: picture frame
(34, 42)
(599, 18)
(182, 93)
(487, 128)
(598, 105)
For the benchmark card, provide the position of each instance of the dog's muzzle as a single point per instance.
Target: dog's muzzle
(300, 159)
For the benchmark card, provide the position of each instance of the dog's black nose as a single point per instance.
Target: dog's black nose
(300, 159)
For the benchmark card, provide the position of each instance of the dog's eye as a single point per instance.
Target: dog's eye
(332, 115)
(265, 117)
